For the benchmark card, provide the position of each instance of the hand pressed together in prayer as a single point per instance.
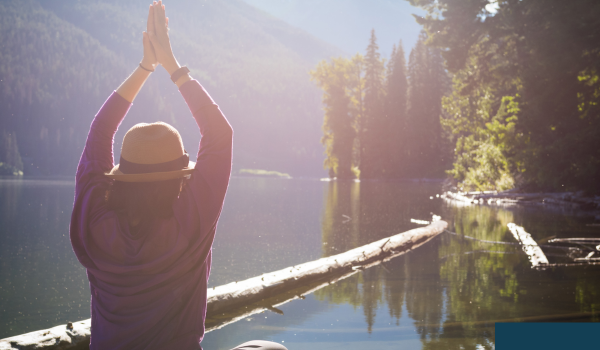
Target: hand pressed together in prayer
(157, 51)
(158, 34)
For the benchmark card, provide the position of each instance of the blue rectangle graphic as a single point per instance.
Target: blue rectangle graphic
(547, 336)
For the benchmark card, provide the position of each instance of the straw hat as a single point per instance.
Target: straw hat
(152, 152)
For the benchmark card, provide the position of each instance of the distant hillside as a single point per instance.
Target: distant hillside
(61, 59)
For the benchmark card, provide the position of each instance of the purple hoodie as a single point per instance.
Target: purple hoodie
(149, 289)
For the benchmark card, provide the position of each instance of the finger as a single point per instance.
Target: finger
(167, 22)
(157, 17)
(161, 8)
(150, 22)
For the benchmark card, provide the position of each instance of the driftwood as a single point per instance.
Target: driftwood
(237, 300)
(530, 247)
(572, 200)
(592, 240)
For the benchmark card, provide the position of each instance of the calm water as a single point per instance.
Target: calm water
(446, 294)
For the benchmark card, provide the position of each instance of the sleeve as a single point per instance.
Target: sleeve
(97, 157)
(210, 178)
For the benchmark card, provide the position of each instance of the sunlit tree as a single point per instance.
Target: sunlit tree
(374, 126)
(396, 111)
(338, 126)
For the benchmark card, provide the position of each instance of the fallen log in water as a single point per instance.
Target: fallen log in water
(236, 294)
(233, 301)
(530, 247)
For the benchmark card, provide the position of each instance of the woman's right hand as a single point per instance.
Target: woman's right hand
(159, 37)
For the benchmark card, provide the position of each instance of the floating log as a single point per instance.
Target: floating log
(572, 200)
(576, 240)
(241, 293)
(237, 300)
(530, 247)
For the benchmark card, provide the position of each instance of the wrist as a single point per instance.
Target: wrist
(148, 67)
(171, 66)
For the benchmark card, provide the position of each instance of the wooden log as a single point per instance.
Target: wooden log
(592, 240)
(530, 247)
(457, 196)
(219, 320)
(56, 338)
(245, 292)
(233, 301)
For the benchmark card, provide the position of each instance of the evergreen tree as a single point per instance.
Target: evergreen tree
(426, 77)
(374, 125)
(396, 109)
(357, 108)
(338, 125)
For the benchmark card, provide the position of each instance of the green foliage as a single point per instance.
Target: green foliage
(546, 54)
(485, 145)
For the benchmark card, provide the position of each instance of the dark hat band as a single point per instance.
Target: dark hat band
(127, 167)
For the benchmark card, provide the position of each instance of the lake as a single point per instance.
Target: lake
(445, 294)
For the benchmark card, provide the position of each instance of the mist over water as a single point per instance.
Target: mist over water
(444, 294)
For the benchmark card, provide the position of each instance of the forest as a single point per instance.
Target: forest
(498, 95)
(382, 119)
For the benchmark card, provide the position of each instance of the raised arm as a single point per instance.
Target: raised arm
(133, 84)
(97, 157)
(211, 175)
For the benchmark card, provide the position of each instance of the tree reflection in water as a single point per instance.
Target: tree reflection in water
(454, 289)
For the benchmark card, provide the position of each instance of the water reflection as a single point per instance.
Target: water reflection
(378, 210)
(454, 289)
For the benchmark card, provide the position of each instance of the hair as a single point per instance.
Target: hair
(144, 200)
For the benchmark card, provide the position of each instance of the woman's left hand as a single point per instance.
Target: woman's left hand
(149, 61)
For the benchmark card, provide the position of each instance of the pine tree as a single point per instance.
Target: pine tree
(396, 109)
(374, 124)
(338, 124)
(426, 77)
(356, 91)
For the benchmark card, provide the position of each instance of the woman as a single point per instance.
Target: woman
(143, 231)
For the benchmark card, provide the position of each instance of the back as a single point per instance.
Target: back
(149, 286)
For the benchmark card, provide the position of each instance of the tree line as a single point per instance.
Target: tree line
(502, 94)
(524, 108)
(382, 119)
